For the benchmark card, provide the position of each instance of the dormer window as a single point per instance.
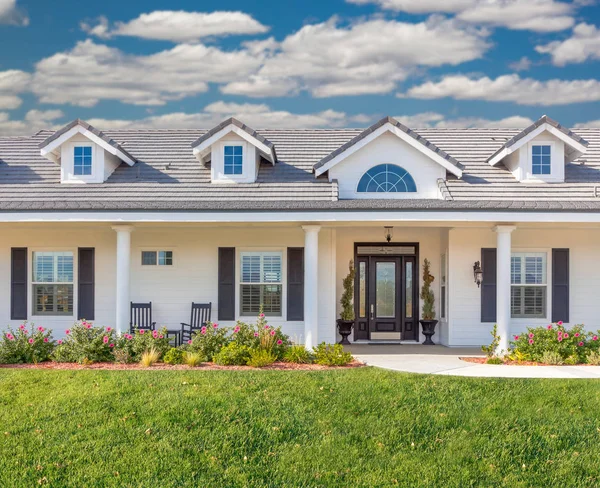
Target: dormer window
(233, 160)
(541, 159)
(82, 160)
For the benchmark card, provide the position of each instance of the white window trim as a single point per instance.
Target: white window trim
(219, 171)
(68, 163)
(537, 321)
(234, 144)
(554, 175)
(156, 249)
(273, 320)
(30, 283)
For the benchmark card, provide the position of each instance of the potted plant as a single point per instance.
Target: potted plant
(428, 321)
(346, 320)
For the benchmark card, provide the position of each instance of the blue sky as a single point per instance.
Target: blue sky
(298, 63)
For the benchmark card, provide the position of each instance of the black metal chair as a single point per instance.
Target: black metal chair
(200, 316)
(140, 317)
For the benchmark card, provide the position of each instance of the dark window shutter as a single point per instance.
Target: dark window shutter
(488, 285)
(295, 287)
(18, 283)
(226, 308)
(560, 285)
(86, 283)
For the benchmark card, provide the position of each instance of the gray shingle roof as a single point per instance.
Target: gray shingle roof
(167, 176)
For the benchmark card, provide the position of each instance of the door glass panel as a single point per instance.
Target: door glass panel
(386, 289)
(409, 289)
(362, 289)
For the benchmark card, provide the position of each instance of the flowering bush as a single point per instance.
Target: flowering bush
(26, 344)
(85, 343)
(571, 345)
(261, 336)
(132, 346)
(208, 341)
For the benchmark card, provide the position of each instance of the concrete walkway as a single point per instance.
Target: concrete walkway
(445, 361)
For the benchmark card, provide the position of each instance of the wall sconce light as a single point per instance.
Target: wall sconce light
(478, 273)
(389, 233)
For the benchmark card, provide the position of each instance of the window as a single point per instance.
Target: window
(157, 258)
(528, 285)
(82, 160)
(443, 288)
(233, 160)
(261, 283)
(386, 178)
(541, 160)
(52, 283)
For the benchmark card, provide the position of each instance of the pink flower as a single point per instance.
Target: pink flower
(215, 326)
(67, 331)
(22, 326)
(273, 332)
(262, 315)
(565, 336)
(190, 341)
(549, 327)
(45, 339)
(111, 345)
(560, 339)
(531, 335)
(59, 342)
(595, 338)
(25, 332)
(203, 330)
(160, 336)
(577, 334)
(580, 344)
(41, 329)
(141, 331)
(516, 338)
(256, 334)
(559, 322)
(237, 329)
(10, 337)
(530, 341)
(108, 329)
(105, 339)
(30, 341)
(88, 326)
(279, 342)
(266, 326)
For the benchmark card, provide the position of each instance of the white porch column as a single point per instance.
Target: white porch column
(123, 272)
(503, 251)
(311, 280)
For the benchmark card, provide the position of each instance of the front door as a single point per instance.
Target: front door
(386, 298)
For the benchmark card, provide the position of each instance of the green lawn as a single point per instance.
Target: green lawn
(355, 427)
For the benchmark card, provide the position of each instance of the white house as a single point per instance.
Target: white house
(91, 221)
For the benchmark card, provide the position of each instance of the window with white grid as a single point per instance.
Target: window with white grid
(261, 283)
(52, 283)
(529, 286)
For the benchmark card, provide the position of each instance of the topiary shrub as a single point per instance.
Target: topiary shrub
(298, 354)
(85, 343)
(27, 344)
(233, 354)
(332, 355)
(347, 299)
(428, 311)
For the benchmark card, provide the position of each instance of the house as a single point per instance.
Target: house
(92, 220)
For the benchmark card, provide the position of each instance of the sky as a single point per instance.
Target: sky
(298, 63)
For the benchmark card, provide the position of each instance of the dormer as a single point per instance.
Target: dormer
(234, 151)
(539, 153)
(389, 161)
(85, 154)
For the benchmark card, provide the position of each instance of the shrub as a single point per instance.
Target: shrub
(26, 345)
(553, 358)
(208, 341)
(491, 349)
(297, 354)
(494, 360)
(233, 354)
(593, 358)
(572, 345)
(136, 344)
(173, 356)
(149, 357)
(193, 359)
(332, 355)
(122, 356)
(260, 358)
(86, 343)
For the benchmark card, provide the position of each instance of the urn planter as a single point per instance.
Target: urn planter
(345, 329)
(428, 327)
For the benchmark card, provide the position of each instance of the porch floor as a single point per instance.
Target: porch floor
(416, 358)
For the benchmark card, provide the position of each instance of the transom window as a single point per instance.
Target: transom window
(157, 258)
(52, 283)
(528, 285)
(541, 160)
(386, 178)
(82, 160)
(261, 283)
(233, 160)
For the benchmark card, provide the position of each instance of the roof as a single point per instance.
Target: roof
(167, 176)
(533, 127)
(78, 122)
(429, 146)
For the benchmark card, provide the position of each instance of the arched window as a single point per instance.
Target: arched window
(386, 178)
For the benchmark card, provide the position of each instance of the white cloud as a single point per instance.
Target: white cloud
(583, 45)
(592, 124)
(255, 115)
(535, 15)
(509, 88)
(178, 26)
(34, 120)
(367, 57)
(91, 72)
(12, 82)
(433, 119)
(11, 14)
(523, 64)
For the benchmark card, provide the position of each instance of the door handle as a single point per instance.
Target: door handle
(372, 309)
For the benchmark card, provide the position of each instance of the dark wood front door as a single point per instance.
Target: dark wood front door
(386, 298)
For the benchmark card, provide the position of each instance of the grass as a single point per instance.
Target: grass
(357, 427)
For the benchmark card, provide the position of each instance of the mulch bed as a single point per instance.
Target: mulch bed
(161, 366)
(508, 362)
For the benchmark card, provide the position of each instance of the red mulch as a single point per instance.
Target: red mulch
(508, 362)
(161, 366)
